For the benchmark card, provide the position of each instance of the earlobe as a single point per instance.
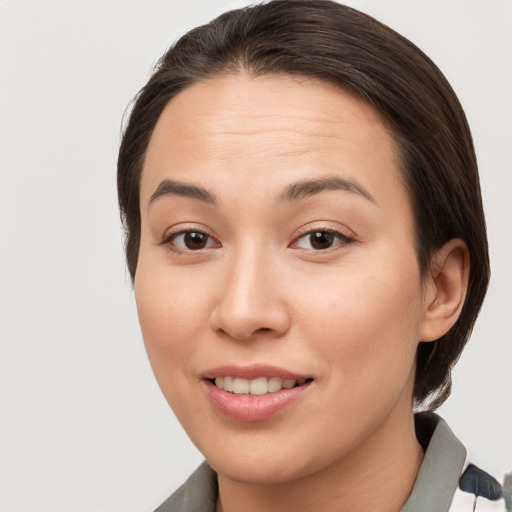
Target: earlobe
(448, 285)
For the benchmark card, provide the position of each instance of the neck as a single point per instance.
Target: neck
(378, 476)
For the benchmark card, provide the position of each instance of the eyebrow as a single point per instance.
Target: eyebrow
(175, 188)
(292, 192)
(308, 188)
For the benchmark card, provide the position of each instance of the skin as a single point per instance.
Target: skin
(349, 315)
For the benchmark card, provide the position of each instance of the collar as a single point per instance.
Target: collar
(439, 474)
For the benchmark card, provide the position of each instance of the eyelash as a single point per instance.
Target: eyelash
(340, 237)
(168, 241)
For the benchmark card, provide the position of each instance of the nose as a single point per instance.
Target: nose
(251, 302)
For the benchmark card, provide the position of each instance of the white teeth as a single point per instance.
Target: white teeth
(259, 386)
(228, 384)
(241, 386)
(274, 384)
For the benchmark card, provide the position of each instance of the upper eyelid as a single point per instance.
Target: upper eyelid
(344, 239)
(320, 230)
(306, 230)
(168, 245)
(302, 232)
(169, 233)
(332, 231)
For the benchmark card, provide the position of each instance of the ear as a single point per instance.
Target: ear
(446, 289)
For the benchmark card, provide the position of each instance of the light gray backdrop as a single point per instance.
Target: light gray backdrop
(83, 426)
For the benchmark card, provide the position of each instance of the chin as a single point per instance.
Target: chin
(268, 457)
(262, 470)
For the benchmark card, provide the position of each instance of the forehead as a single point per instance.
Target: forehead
(239, 131)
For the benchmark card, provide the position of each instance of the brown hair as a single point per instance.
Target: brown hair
(330, 42)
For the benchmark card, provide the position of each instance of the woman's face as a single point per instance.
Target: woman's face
(277, 250)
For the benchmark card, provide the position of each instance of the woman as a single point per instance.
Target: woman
(307, 243)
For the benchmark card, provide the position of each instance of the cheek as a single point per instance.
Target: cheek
(171, 322)
(365, 332)
(366, 321)
(170, 319)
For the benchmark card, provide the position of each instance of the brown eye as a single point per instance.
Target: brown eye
(321, 240)
(190, 241)
(194, 240)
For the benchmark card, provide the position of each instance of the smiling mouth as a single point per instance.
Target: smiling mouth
(256, 387)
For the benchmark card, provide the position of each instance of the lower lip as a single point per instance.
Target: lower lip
(252, 407)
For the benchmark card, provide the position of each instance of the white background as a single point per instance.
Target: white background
(83, 426)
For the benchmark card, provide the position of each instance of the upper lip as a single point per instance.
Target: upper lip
(252, 371)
